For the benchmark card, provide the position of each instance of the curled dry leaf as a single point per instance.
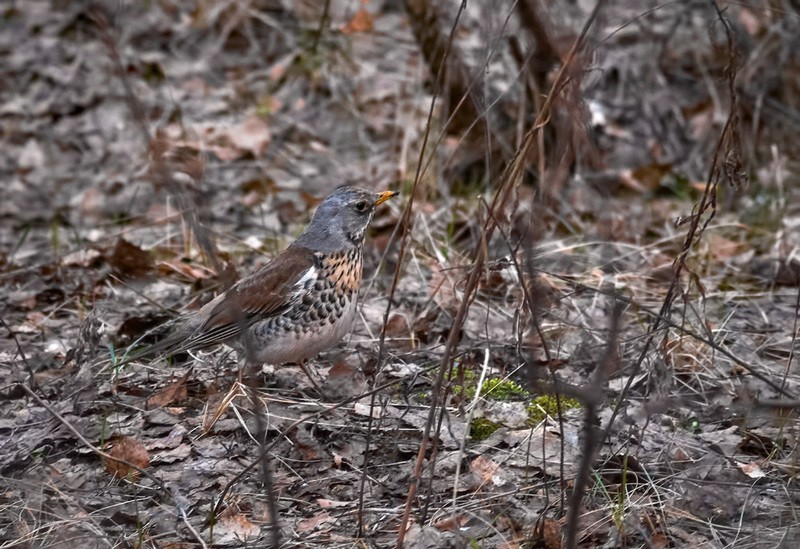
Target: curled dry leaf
(312, 523)
(251, 137)
(174, 392)
(551, 534)
(130, 450)
(344, 380)
(81, 258)
(485, 468)
(399, 331)
(752, 470)
(362, 21)
(452, 524)
(129, 259)
(191, 272)
(234, 527)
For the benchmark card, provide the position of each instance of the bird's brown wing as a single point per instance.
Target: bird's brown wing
(269, 291)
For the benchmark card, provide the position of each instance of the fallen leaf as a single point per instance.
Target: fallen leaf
(485, 468)
(330, 504)
(129, 259)
(451, 524)
(551, 534)
(251, 137)
(307, 525)
(722, 248)
(126, 449)
(749, 21)
(362, 21)
(81, 258)
(191, 272)
(234, 527)
(752, 470)
(344, 380)
(174, 392)
(399, 331)
(659, 541)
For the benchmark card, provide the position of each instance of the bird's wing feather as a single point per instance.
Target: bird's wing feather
(269, 291)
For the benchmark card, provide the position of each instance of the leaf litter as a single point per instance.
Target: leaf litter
(259, 115)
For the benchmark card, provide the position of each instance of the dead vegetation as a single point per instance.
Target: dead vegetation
(578, 328)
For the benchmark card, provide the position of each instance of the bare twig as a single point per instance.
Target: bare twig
(31, 376)
(194, 532)
(590, 439)
(91, 446)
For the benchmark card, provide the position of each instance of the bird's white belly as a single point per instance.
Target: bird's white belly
(278, 345)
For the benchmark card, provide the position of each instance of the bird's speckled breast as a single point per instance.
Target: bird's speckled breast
(344, 268)
(323, 315)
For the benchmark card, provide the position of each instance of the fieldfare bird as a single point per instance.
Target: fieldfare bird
(300, 303)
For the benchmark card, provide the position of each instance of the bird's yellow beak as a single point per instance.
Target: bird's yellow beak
(384, 196)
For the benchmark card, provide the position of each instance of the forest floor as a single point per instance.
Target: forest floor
(610, 329)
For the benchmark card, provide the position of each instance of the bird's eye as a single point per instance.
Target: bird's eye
(362, 206)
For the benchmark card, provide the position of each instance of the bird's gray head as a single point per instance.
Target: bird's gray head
(341, 219)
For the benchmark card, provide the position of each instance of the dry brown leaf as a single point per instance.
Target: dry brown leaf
(659, 541)
(174, 392)
(233, 526)
(308, 446)
(551, 534)
(752, 470)
(485, 468)
(344, 380)
(312, 523)
(191, 272)
(129, 259)
(722, 248)
(230, 143)
(451, 524)
(362, 21)
(130, 450)
(749, 21)
(251, 135)
(645, 177)
(81, 258)
(330, 504)
(398, 329)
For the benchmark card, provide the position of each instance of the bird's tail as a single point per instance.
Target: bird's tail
(173, 337)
